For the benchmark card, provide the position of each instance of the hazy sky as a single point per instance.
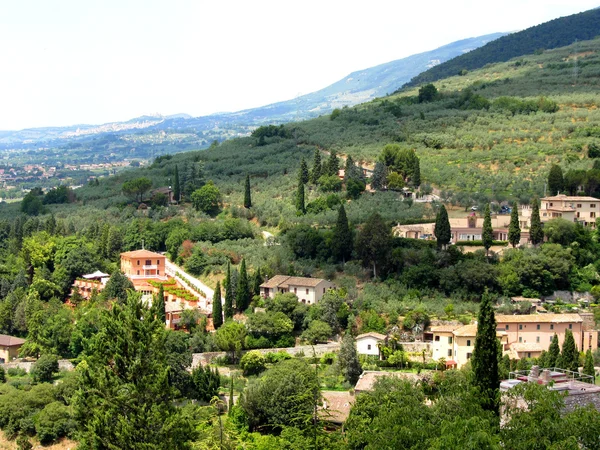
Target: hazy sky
(95, 61)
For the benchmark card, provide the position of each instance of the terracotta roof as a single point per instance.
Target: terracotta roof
(275, 281)
(10, 341)
(467, 330)
(444, 328)
(286, 281)
(379, 336)
(142, 254)
(368, 378)
(570, 198)
(526, 347)
(539, 318)
(336, 406)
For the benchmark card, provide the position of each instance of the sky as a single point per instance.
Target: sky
(66, 62)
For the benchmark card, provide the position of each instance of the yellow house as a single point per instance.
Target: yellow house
(9, 347)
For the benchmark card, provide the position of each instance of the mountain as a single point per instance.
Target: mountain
(553, 34)
(358, 87)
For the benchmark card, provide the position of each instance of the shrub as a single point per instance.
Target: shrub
(45, 368)
(16, 372)
(328, 358)
(253, 363)
(275, 357)
(53, 422)
(2, 375)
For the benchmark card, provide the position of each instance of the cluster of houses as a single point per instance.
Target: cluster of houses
(577, 209)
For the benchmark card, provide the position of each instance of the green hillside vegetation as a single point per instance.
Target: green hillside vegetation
(553, 34)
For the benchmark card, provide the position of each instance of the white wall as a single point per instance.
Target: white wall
(362, 346)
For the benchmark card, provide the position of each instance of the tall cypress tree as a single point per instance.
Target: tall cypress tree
(243, 291)
(553, 352)
(317, 169)
(159, 305)
(442, 230)
(333, 164)
(247, 196)
(228, 312)
(536, 233)
(176, 186)
(342, 242)
(485, 356)
(569, 357)
(348, 359)
(303, 173)
(256, 282)
(588, 366)
(217, 307)
(514, 228)
(379, 176)
(556, 180)
(487, 234)
(300, 205)
(349, 169)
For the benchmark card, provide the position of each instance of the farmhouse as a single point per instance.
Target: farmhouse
(308, 290)
(368, 343)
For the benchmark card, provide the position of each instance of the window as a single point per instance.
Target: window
(295, 290)
(158, 272)
(450, 352)
(368, 346)
(148, 262)
(138, 261)
(306, 291)
(570, 326)
(579, 205)
(158, 262)
(437, 339)
(593, 215)
(468, 342)
(520, 339)
(323, 290)
(537, 339)
(592, 205)
(520, 326)
(529, 354)
(449, 339)
(550, 204)
(507, 327)
(538, 326)
(552, 326)
(469, 355)
(138, 272)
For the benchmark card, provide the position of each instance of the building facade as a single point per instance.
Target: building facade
(308, 290)
(368, 343)
(143, 264)
(9, 347)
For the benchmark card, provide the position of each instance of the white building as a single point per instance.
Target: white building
(308, 290)
(368, 343)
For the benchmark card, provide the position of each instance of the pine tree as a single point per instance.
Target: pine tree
(536, 232)
(217, 307)
(556, 180)
(228, 310)
(379, 176)
(553, 353)
(300, 205)
(569, 357)
(348, 359)
(349, 169)
(256, 282)
(442, 229)
(416, 172)
(230, 402)
(588, 366)
(514, 228)
(333, 164)
(487, 234)
(317, 169)
(176, 186)
(303, 172)
(342, 241)
(247, 195)
(243, 297)
(159, 304)
(114, 243)
(485, 356)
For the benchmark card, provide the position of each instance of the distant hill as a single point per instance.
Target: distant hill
(553, 34)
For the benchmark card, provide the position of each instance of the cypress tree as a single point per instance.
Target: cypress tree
(256, 282)
(553, 353)
(247, 196)
(303, 173)
(556, 180)
(487, 235)
(342, 241)
(317, 169)
(485, 356)
(217, 307)
(333, 164)
(300, 205)
(228, 312)
(348, 359)
(176, 186)
(243, 291)
(514, 229)
(442, 228)
(588, 366)
(536, 233)
(416, 171)
(379, 176)
(159, 305)
(230, 402)
(569, 357)
(349, 169)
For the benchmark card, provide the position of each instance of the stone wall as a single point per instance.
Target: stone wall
(63, 364)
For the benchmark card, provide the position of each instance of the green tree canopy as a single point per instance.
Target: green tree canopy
(207, 199)
(442, 229)
(137, 187)
(514, 228)
(555, 180)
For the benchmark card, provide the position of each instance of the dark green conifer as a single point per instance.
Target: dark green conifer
(553, 353)
(303, 173)
(442, 229)
(243, 297)
(342, 242)
(159, 304)
(487, 234)
(317, 169)
(556, 180)
(247, 195)
(176, 186)
(569, 357)
(217, 307)
(514, 228)
(379, 176)
(300, 202)
(536, 232)
(588, 366)
(348, 359)
(256, 282)
(485, 356)
(228, 311)
(333, 164)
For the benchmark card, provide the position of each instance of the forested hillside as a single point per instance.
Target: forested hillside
(556, 33)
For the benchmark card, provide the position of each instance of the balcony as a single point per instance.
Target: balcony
(153, 267)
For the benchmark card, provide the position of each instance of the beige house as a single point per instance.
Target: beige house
(9, 347)
(143, 264)
(368, 343)
(572, 208)
(308, 290)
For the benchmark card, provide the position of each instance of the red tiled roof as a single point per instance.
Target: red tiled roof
(142, 254)
(10, 341)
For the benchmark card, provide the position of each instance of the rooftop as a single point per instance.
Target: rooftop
(285, 281)
(569, 198)
(336, 406)
(10, 341)
(369, 377)
(141, 254)
(444, 328)
(379, 336)
(539, 318)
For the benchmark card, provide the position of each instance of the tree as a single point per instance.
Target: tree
(333, 164)
(125, 396)
(44, 369)
(588, 365)
(569, 357)
(256, 282)
(243, 297)
(342, 240)
(355, 187)
(207, 199)
(303, 172)
(442, 229)
(176, 186)
(485, 356)
(348, 359)
(159, 304)
(536, 232)
(555, 180)
(373, 242)
(179, 359)
(217, 307)
(428, 93)
(247, 196)
(117, 287)
(137, 187)
(230, 338)
(514, 228)
(228, 311)
(317, 169)
(318, 332)
(206, 382)
(553, 353)
(379, 177)
(487, 234)
(253, 363)
(300, 205)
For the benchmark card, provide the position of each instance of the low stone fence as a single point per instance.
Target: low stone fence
(63, 364)
(319, 350)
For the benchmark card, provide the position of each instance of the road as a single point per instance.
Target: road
(186, 278)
